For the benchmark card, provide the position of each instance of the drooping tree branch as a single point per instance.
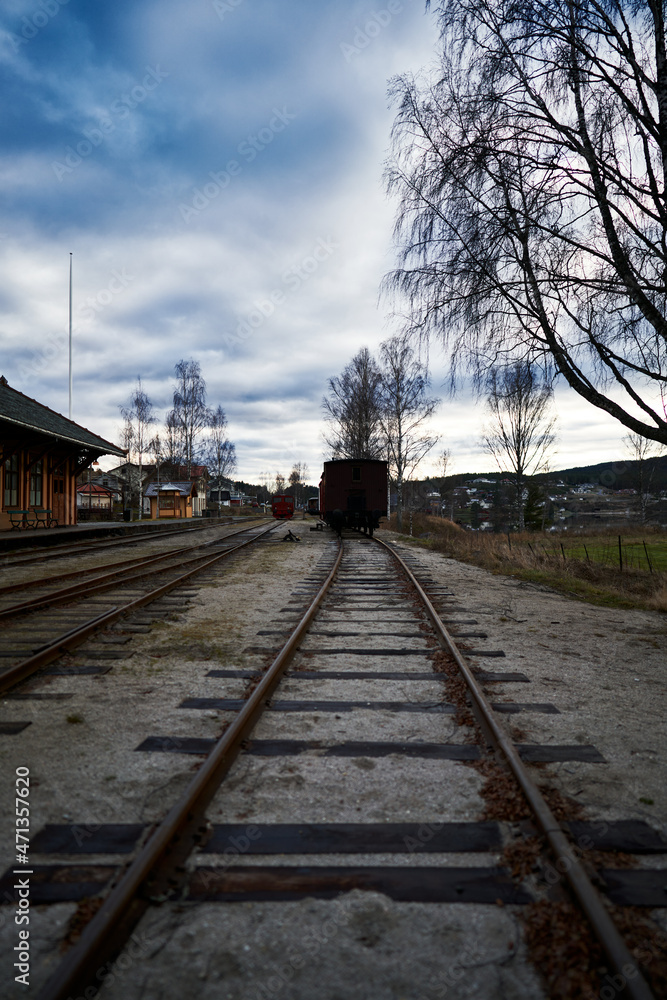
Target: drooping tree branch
(531, 174)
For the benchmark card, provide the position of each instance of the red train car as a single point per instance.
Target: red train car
(353, 493)
(282, 506)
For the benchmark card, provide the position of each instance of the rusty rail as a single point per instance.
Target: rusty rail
(126, 570)
(74, 638)
(606, 931)
(155, 868)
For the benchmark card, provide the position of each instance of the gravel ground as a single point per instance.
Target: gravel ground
(361, 946)
(604, 669)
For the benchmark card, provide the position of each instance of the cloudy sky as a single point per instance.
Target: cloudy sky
(215, 168)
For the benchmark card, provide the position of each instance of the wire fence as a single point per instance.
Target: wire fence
(616, 552)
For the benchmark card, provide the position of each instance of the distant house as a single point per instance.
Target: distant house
(221, 497)
(129, 480)
(42, 455)
(180, 472)
(96, 497)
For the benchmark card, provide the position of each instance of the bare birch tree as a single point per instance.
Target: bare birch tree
(155, 445)
(404, 407)
(190, 413)
(297, 481)
(352, 410)
(138, 418)
(221, 453)
(643, 453)
(531, 169)
(127, 435)
(520, 432)
(172, 439)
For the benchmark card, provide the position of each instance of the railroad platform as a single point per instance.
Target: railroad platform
(36, 538)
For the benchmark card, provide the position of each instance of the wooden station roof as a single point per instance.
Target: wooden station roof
(21, 413)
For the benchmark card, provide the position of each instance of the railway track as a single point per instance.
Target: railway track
(40, 554)
(355, 659)
(65, 610)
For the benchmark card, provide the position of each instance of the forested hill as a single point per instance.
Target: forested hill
(619, 475)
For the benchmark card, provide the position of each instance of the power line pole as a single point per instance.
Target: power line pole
(70, 336)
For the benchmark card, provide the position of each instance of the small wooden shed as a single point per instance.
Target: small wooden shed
(171, 499)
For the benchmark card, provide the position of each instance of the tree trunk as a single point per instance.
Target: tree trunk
(141, 489)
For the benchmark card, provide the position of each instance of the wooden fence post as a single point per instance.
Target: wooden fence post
(648, 560)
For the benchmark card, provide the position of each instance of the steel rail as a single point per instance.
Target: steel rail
(173, 839)
(44, 581)
(132, 569)
(606, 931)
(15, 557)
(134, 560)
(70, 640)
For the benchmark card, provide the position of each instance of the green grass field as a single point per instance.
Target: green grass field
(647, 554)
(584, 566)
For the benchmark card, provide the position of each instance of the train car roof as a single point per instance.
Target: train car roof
(357, 461)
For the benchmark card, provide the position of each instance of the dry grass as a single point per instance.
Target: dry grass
(537, 558)
(562, 945)
(564, 948)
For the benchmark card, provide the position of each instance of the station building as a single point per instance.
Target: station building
(42, 453)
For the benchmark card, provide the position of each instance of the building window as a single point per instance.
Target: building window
(356, 473)
(36, 484)
(11, 481)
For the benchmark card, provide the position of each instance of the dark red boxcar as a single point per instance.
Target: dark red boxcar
(353, 493)
(282, 506)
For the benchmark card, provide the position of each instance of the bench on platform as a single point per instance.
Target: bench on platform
(21, 519)
(43, 518)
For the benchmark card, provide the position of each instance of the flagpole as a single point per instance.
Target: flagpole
(70, 336)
